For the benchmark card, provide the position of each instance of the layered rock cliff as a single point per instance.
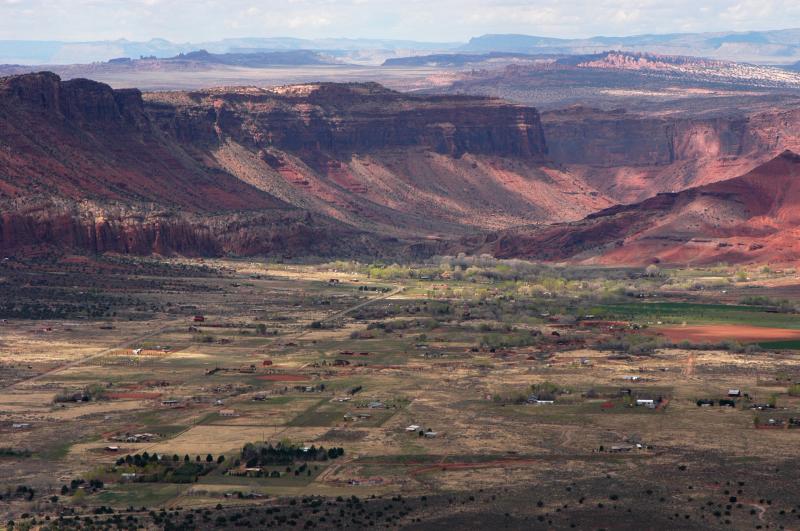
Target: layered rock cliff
(322, 168)
(343, 119)
(631, 156)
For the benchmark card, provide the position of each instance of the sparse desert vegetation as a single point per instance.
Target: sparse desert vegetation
(248, 393)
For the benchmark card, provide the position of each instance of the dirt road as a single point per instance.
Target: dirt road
(128, 343)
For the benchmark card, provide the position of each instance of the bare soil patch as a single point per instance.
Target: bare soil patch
(714, 333)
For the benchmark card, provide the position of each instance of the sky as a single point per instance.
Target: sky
(422, 20)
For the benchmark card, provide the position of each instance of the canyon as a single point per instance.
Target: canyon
(747, 219)
(349, 169)
(306, 169)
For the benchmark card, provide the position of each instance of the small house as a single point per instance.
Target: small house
(704, 402)
(170, 403)
(21, 425)
(412, 427)
(646, 402)
(734, 393)
(431, 434)
(112, 448)
(376, 405)
(227, 413)
(199, 319)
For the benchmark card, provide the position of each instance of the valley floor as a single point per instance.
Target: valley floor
(466, 393)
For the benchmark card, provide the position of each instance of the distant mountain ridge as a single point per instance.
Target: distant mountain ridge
(769, 47)
(65, 52)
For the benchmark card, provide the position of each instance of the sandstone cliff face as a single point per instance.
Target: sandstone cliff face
(251, 171)
(343, 119)
(615, 139)
(630, 157)
(122, 235)
(78, 100)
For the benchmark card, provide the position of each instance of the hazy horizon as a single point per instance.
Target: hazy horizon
(445, 21)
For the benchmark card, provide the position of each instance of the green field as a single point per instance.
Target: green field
(679, 312)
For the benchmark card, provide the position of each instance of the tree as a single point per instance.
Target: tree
(220, 459)
(209, 458)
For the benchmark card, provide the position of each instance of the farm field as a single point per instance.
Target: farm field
(221, 391)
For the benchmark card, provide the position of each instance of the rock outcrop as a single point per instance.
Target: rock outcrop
(342, 119)
(631, 157)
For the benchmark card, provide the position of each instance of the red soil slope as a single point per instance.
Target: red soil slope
(752, 218)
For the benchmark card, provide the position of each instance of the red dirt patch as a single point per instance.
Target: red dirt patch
(283, 377)
(715, 333)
